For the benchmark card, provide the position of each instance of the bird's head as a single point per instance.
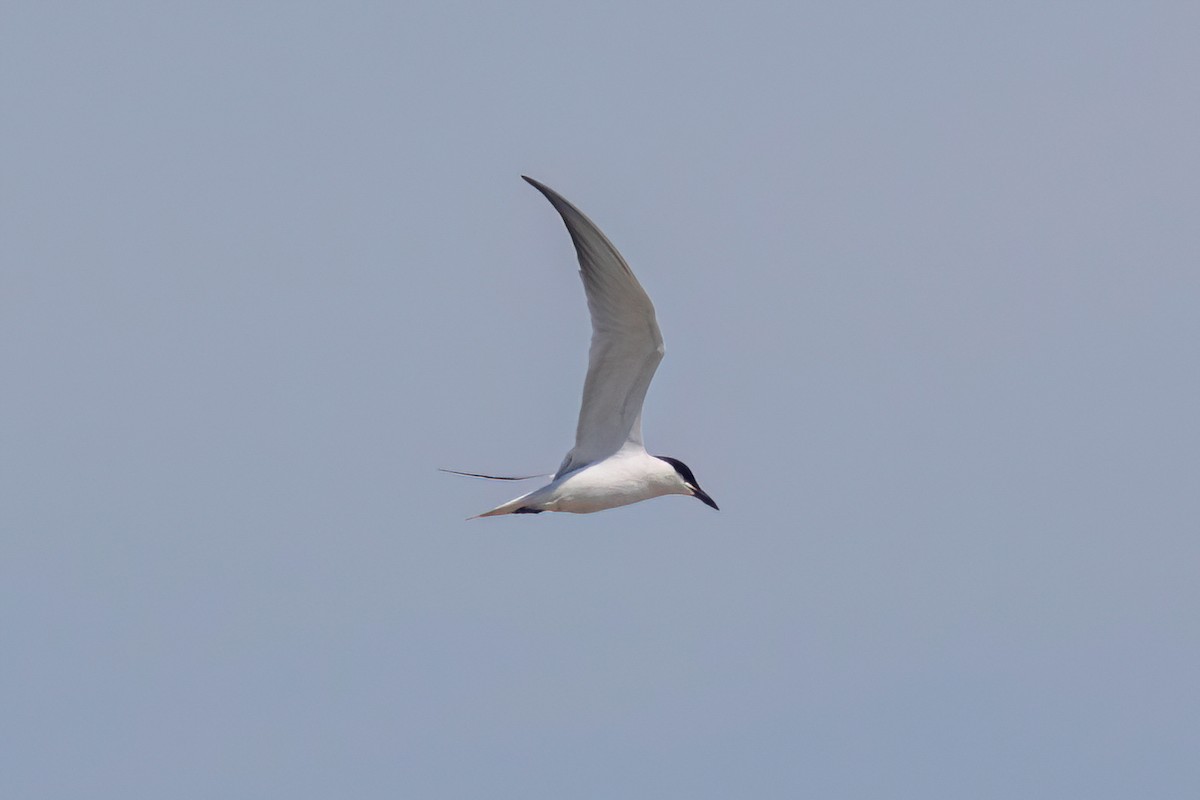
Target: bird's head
(688, 481)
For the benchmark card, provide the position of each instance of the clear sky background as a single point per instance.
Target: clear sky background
(929, 278)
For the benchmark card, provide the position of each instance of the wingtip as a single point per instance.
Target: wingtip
(560, 203)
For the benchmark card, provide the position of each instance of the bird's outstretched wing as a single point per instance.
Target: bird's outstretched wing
(626, 342)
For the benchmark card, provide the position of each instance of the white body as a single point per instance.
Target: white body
(629, 476)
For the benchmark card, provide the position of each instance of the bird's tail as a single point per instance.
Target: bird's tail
(514, 506)
(496, 477)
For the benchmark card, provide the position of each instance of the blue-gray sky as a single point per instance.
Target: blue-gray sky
(929, 278)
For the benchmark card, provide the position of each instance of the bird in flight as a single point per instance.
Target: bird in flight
(608, 466)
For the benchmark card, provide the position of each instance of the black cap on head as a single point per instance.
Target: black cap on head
(685, 472)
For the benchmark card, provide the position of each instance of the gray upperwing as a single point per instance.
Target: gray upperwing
(627, 345)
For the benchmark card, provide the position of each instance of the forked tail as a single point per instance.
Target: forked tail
(514, 506)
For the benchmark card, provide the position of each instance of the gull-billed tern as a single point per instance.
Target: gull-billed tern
(608, 466)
